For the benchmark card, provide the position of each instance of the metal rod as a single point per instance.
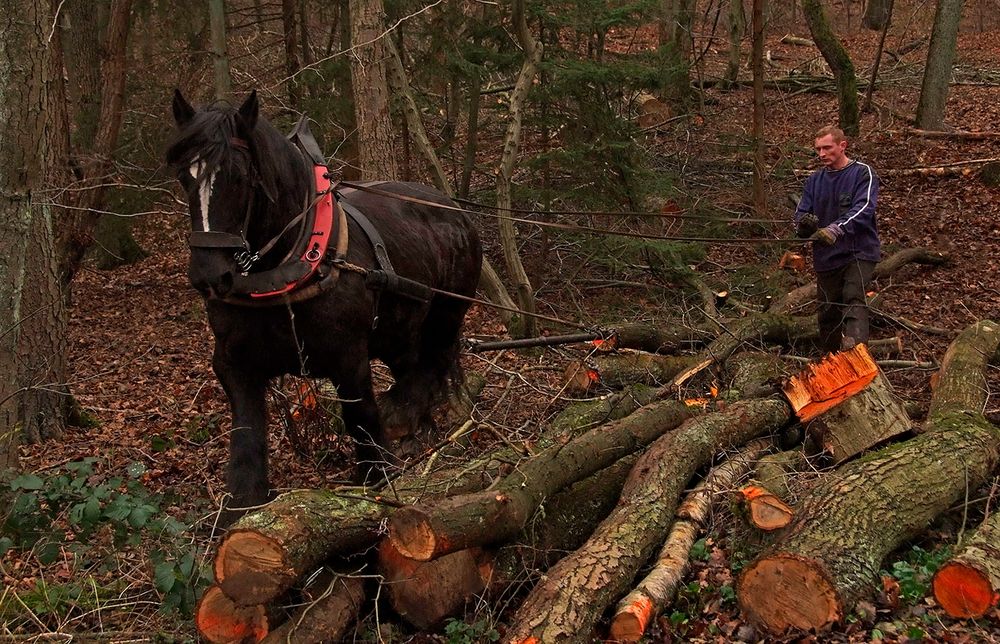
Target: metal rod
(544, 341)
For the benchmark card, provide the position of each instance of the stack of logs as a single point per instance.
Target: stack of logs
(607, 484)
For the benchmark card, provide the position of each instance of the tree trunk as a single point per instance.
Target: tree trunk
(220, 57)
(840, 64)
(830, 555)
(512, 139)
(618, 370)
(878, 53)
(24, 220)
(937, 72)
(968, 584)
(497, 515)
(98, 122)
(877, 14)
(757, 125)
(377, 156)
(737, 27)
(291, 40)
(566, 604)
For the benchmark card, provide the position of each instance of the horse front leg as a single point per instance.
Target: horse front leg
(361, 420)
(246, 473)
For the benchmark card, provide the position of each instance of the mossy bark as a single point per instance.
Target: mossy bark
(840, 63)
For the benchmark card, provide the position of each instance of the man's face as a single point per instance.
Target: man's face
(831, 152)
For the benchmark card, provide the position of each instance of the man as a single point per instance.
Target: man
(837, 212)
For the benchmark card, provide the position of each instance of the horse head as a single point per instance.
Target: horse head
(242, 179)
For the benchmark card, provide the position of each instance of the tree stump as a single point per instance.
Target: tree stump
(847, 404)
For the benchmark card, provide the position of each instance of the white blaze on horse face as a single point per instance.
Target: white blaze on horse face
(204, 189)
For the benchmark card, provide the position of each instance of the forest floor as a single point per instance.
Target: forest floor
(140, 351)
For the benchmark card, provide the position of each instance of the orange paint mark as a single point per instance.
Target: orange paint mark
(593, 376)
(697, 402)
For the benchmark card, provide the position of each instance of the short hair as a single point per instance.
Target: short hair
(836, 132)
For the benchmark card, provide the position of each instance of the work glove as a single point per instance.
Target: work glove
(807, 226)
(826, 236)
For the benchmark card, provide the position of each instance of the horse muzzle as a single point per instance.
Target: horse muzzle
(213, 279)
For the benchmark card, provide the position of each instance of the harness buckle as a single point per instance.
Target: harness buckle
(245, 260)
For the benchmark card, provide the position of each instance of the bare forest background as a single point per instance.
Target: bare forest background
(610, 117)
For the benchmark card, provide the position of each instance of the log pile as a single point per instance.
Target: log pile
(566, 531)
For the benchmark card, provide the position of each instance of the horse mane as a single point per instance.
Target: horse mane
(209, 136)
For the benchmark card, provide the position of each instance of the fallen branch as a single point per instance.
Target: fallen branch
(499, 514)
(640, 607)
(575, 592)
(325, 618)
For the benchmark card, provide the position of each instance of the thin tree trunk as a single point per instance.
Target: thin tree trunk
(291, 51)
(937, 72)
(878, 56)
(371, 91)
(737, 27)
(472, 133)
(220, 57)
(840, 64)
(512, 139)
(757, 128)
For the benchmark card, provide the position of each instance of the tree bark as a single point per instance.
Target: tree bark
(618, 370)
(220, 57)
(840, 64)
(877, 14)
(967, 585)
(565, 605)
(327, 617)
(499, 514)
(291, 41)
(757, 122)
(371, 91)
(24, 220)
(937, 71)
(512, 139)
(737, 27)
(830, 555)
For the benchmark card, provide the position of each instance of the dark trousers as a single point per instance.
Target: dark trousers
(842, 307)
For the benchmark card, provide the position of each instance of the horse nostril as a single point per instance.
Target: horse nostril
(224, 283)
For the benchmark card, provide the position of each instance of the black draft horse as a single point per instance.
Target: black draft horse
(247, 186)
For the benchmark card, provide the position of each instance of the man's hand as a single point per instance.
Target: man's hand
(807, 226)
(827, 236)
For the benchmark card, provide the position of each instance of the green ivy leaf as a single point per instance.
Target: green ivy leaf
(27, 482)
(164, 577)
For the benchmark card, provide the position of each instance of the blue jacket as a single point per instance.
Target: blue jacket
(844, 199)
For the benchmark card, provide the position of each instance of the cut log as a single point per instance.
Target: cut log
(656, 590)
(618, 370)
(774, 471)
(767, 511)
(220, 621)
(847, 404)
(499, 514)
(327, 617)
(652, 339)
(565, 605)
(266, 551)
(585, 414)
(426, 592)
(969, 583)
(831, 554)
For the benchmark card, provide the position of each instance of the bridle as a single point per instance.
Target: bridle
(318, 222)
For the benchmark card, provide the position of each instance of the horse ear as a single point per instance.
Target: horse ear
(249, 111)
(183, 112)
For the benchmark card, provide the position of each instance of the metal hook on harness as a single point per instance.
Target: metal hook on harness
(245, 260)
